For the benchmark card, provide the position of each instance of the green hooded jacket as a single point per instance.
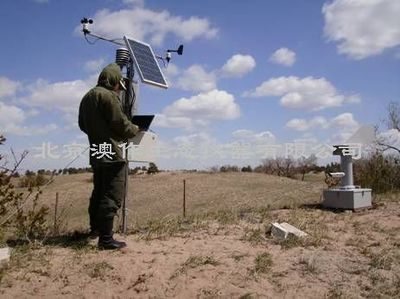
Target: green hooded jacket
(101, 117)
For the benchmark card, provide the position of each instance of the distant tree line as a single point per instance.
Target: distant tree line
(287, 167)
(151, 169)
(378, 171)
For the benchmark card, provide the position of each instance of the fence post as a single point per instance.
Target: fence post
(184, 198)
(55, 215)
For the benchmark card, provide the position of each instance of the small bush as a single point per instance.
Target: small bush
(286, 167)
(379, 172)
(18, 212)
(30, 223)
(33, 180)
(152, 169)
(262, 263)
(247, 169)
(229, 168)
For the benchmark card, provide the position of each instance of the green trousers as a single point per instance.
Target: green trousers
(109, 181)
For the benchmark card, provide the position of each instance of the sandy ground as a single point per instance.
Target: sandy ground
(348, 255)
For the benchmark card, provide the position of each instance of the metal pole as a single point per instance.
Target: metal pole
(124, 224)
(346, 164)
(184, 198)
(128, 110)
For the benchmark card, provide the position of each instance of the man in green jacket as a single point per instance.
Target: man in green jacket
(101, 117)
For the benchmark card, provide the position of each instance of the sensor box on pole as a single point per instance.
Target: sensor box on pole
(143, 148)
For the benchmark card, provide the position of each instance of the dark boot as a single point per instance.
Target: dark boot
(106, 240)
(94, 230)
(93, 233)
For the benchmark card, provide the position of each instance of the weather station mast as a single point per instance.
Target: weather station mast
(135, 57)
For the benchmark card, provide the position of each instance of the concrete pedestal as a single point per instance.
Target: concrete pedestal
(348, 199)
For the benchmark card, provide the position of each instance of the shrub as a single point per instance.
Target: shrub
(247, 169)
(152, 169)
(34, 180)
(26, 220)
(379, 172)
(229, 168)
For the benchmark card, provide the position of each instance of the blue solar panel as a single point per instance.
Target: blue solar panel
(146, 63)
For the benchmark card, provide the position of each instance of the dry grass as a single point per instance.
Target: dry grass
(98, 269)
(158, 196)
(254, 236)
(310, 264)
(193, 262)
(262, 264)
(384, 259)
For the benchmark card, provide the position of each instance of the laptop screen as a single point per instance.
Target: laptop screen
(142, 121)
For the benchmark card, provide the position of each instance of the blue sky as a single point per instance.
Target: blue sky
(254, 74)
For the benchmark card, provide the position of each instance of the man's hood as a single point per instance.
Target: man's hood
(110, 76)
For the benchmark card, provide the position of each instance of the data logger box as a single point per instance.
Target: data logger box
(143, 148)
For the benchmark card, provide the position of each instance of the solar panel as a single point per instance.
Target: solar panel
(146, 63)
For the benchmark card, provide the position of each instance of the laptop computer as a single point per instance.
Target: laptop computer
(142, 121)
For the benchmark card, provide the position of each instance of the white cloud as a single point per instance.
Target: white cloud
(344, 126)
(58, 95)
(199, 110)
(148, 25)
(32, 112)
(30, 130)
(342, 121)
(171, 71)
(309, 93)
(8, 87)
(10, 114)
(165, 121)
(362, 28)
(193, 151)
(94, 65)
(195, 78)
(195, 139)
(238, 65)
(299, 124)
(215, 104)
(254, 137)
(202, 150)
(283, 56)
(339, 138)
(62, 96)
(12, 119)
